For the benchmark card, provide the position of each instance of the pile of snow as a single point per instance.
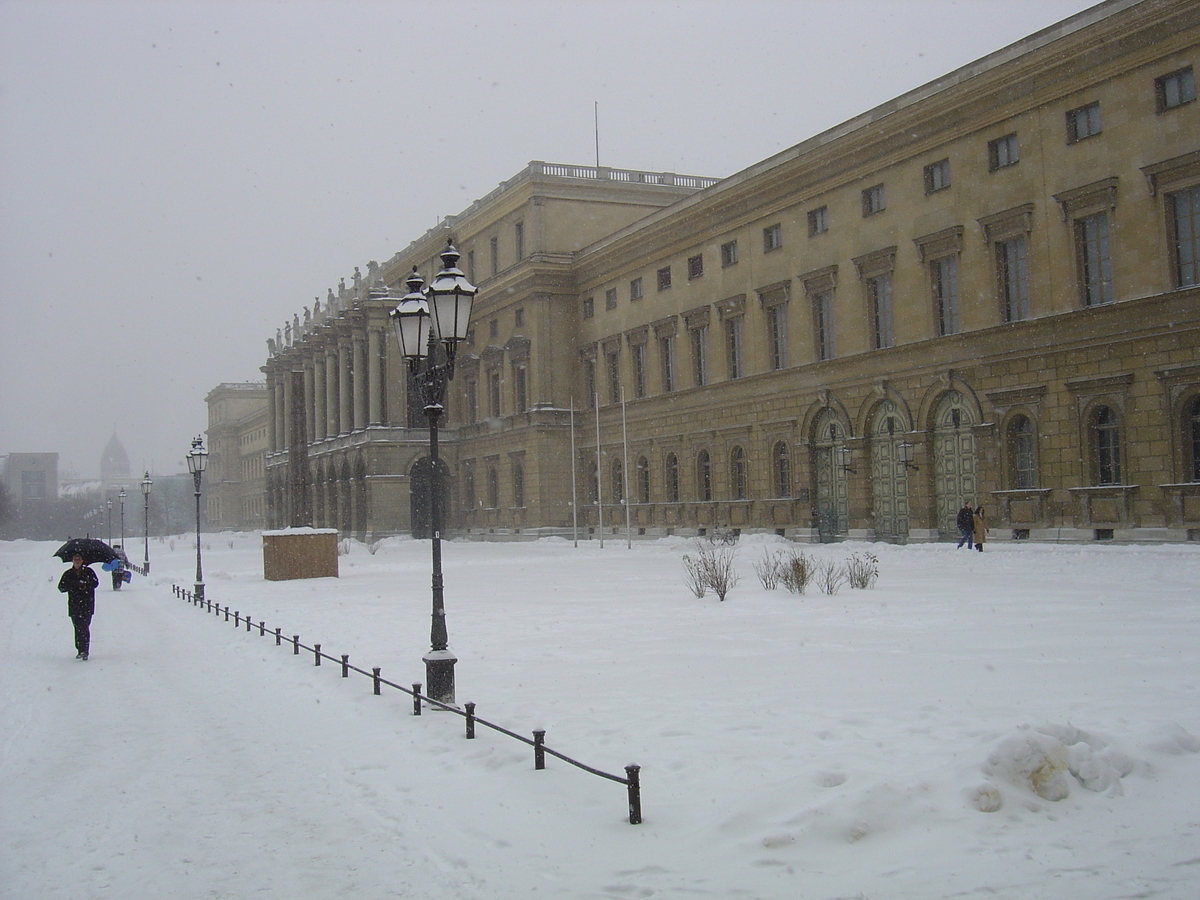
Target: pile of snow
(1017, 723)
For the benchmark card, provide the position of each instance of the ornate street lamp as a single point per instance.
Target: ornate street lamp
(197, 460)
(906, 456)
(430, 323)
(146, 483)
(121, 497)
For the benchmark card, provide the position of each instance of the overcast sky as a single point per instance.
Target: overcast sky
(177, 178)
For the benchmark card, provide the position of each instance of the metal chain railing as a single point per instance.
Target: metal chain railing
(632, 779)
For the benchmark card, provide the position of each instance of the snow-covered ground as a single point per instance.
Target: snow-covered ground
(807, 746)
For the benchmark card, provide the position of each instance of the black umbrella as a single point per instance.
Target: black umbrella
(92, 551)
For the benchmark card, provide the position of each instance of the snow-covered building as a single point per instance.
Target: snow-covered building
(986, 288)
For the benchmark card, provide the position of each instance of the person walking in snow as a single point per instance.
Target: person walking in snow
(965, 521)
(980, 528)
(79, 583)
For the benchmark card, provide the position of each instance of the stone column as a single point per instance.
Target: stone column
(271, 411)
(310, 411)
(319, 390)
(345, 410)
(285, 418)
(331, 391)
(279, 424)
(374, 377)
(358, 347)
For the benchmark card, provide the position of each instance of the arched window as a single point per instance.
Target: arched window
(643, 479)
(1022, 461)
(672, 476)
(703, 476)
(1106, 446)
(737, 473)
(618, 481)
(1193, 434)
(783, 470)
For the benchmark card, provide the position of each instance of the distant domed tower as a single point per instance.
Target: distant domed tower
(114, 464)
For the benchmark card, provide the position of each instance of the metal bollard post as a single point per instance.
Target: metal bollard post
(417, 698)
(237, 618)
(295, 645)
(208, 602)
(375, 675)
(635, 794)
(539, 751)
(278, 637)
(262, 629)
(248, 623)
(470, 707)
(226, 612)
(317, 654)
(345, 665)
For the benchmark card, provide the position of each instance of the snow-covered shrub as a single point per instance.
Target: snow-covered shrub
(829, 576)
(862, 570)
(799, 569)
(373, 546)
(711, 568)
(768, 569)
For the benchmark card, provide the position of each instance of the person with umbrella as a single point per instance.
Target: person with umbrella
(79, 584)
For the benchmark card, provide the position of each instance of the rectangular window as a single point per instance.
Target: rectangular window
(610, 298)
(494, 394)
(519, 317)
(879, 294)
(937, 176)
(1083, 122)
(823, 322)
(695, 266)
(1175, 89)
(666, 350)
(613, 360)
(1095, 265)
(589, 307)
(471, 267)
(818, 221)
(520, 395)
(494, 328)
(873, 201)
(729, 254)
(635, 289)
(519, 240)
(777, 335)
(518, 482)
(772, 238)
(733, 343)
(472, 402)
(494, 246)
(664, 278)
(944, 272)
(1003, 152)
(637, 353)
(1185, 221)
(1014, 278)
(700, 355)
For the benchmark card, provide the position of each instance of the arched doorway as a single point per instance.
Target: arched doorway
(889, 475)
(833, 493)
(954, 469)
(419, 494)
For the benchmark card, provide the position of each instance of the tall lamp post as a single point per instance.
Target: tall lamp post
(430, 323)
(197, 459)
(121, 497)
(146, 484)
(109, 521)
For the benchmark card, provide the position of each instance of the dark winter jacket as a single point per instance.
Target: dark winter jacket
(965, 520)
(80, 587)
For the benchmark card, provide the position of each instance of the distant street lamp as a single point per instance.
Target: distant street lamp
(197, 460)
(108, 526)
(121, 497)
(146, 483)
(430, 323)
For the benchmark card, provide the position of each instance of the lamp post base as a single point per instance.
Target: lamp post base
(199, 593)
(439, 675)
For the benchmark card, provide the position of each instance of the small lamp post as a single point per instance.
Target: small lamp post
(430, 323)
(108, 526)
(146, 484)
(121, 497)
(197, 459)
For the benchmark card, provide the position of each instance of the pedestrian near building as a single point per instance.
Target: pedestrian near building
(965, 520)
(980, 529)
(79, 584)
